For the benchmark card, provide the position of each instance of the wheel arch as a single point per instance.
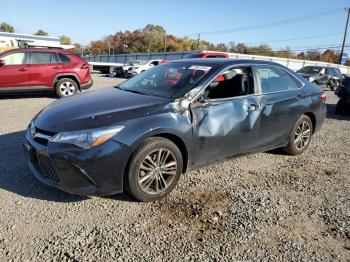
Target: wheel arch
(180, 144)
(72, 76)
(312, 118)
(176, 139)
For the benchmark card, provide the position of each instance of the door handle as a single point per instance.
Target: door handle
(300, 96)
(22, 69)
(252, 107)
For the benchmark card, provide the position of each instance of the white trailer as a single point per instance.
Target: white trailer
(104, 67)
(11, 40)
(294, 64)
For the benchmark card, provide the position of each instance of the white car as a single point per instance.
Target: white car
(138, 66)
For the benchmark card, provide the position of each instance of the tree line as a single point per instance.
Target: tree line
(153, 38)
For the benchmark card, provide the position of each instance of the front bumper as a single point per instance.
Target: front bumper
(97, 171)
(88, 85)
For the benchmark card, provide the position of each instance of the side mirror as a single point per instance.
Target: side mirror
(2, 62)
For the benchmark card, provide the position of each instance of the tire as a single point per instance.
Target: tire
(66, 87)
(299, 140)
(143, 180)
(339, 108)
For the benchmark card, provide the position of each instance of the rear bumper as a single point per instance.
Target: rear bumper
(320, 117)
(88, 85)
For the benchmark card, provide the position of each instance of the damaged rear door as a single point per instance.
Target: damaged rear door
(226, 118)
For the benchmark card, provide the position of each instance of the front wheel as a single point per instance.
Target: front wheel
(154, 169)
(300, 136)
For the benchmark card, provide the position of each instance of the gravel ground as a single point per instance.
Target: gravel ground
(267, 206)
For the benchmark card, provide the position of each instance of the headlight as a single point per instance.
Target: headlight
(87, 138)
(32, 128)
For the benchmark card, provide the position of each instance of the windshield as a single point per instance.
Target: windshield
(171, 80)
(194, 55)
(310, 70)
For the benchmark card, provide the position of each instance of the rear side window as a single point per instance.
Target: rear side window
(38, 58)
(15, 59)
(63, 58)
(291, 82)
(275, 80)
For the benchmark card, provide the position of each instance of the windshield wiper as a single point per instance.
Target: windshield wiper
(134, 91)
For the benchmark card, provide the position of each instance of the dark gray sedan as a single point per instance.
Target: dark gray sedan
(141, 136)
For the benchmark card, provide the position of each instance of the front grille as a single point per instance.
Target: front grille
(44, 166)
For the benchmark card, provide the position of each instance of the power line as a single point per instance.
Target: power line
(271, 24)
(293, 39)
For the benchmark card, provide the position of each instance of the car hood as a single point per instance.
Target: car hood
(96, 109)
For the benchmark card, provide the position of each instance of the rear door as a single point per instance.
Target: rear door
(14, 75)
(282, 102)
(42, 68)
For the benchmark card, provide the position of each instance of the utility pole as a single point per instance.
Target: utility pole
(165, 43)
(344, 39)
(109, 45)
(199, 38)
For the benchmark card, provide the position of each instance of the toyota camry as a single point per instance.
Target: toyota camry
(141, 136)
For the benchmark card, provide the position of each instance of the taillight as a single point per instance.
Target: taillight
(85, 66)
(323, 97)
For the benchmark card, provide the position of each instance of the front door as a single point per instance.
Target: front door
(226, 118)
(13, 74)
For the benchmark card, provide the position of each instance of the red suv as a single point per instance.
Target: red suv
(43, 69)
(208, 54)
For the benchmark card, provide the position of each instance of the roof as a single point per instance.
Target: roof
(225, 61)
(39, 49)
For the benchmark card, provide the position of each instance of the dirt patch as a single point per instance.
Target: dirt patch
(201, 212)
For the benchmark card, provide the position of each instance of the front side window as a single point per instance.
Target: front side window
(172, 80)
(37, 58)
(15, 59)
(232, 83)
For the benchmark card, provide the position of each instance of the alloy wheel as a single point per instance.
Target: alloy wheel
(302, 135)
(157, 171)
(67, 88)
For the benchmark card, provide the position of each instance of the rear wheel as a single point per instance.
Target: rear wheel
(66, 87)
(154, 170)
(300, 137)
